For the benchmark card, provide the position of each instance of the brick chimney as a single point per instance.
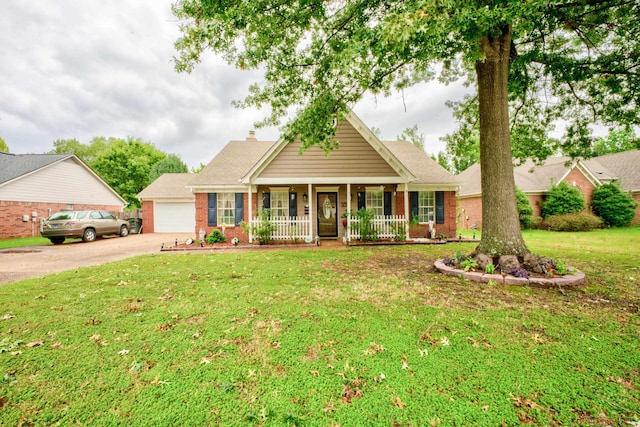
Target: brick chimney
(252, 136)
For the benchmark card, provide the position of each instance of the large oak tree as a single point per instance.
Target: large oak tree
(577, 60)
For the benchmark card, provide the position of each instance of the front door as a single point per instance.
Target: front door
(327, 214)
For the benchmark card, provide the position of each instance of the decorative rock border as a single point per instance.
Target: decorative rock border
(475, 276)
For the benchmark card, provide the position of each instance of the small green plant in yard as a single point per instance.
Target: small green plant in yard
(399, 232)
(357, 336)
(215, 236)
(263, 230)
(468, 264)
(561, 268)
(490, 269)
(365, 226)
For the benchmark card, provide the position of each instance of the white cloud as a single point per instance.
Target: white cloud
(79, 69)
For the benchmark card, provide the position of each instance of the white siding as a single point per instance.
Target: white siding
(173, 217)
(63, 182)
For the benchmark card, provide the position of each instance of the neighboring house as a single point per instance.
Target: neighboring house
(309, 193)
(168, 205)
(536, 181)
(33, 186)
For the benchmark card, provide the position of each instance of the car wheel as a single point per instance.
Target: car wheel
(57, 240)
(89, 235)
(124, 231)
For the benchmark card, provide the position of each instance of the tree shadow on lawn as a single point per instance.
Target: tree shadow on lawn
(609, 290)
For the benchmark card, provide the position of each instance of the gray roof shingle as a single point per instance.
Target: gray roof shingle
(423, 167)
(622, 167)
(14, 166)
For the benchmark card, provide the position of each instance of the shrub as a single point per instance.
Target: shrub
(264, 228)
(215, 237)
(563, 199)
(525, 211)
(572, 222)
(364, 225)
(615, 207)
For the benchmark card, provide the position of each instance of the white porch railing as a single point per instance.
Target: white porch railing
(385, 227)
(286, 228)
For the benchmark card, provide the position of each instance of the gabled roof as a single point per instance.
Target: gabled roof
(619, 167)
(400, 169)
(367, 159)
(13, 166)
(622, 167)
(169, 186)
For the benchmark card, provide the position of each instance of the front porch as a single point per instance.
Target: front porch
(349, 212)
(391, 227)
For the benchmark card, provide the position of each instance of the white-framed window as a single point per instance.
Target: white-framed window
(426, 206)
(226, 208)
(375, 201)
(279, 203)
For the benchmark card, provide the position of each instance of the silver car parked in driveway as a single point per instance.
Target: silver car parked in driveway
(85, 225)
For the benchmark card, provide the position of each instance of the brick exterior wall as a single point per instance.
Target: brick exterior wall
(576, 178)
(473, 205)
(422, 230)
(11, 213)
(229, 232)
(148, 217)
(636, 197)
(470, 212)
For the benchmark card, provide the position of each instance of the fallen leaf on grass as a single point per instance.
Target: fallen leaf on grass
(399, 403)
(56, 345)
(7, 317)
(348, 393)
(35, 343)
(329, 407)
(123, 352)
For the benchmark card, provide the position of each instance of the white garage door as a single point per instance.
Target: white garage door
(174, 217)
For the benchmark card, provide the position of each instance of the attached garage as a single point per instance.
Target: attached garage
(171, 217)
(168, 206)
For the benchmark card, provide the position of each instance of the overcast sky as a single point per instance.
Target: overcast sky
(85, 68)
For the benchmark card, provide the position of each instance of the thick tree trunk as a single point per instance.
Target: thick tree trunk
(501, 233)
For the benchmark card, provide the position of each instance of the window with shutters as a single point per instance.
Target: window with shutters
(279, 203)
(426, 206)
(226, 208)
(375, 202)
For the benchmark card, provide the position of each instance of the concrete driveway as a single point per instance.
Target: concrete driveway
(35, 261)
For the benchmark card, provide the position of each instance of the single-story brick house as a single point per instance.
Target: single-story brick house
(536, 181)
(309, 193)
(33, 186)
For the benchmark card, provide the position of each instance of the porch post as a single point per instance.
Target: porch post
(407, 219)
(250, 212)
(310, 192)
(348, 229)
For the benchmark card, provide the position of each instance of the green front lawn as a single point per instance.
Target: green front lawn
(23, 241)
(361, 336)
